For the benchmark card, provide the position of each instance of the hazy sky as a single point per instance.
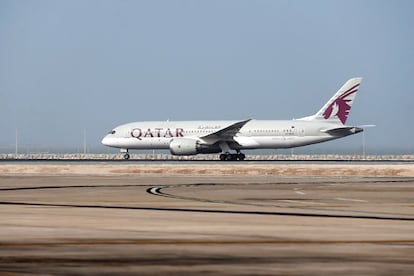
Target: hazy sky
(66, 66)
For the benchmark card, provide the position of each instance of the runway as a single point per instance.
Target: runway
(128, 222)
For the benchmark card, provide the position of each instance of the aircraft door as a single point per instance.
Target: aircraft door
(297, 131)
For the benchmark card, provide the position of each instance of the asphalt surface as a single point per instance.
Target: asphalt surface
(137, 224)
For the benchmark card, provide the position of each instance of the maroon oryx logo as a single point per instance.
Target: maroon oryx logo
(341, 105)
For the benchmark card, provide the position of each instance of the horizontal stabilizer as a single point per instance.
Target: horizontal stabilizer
(343, 131)
(365, 126)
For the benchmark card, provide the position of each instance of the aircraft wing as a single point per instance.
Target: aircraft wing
(224, 134)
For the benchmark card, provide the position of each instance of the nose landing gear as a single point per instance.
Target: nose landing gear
(126, 154)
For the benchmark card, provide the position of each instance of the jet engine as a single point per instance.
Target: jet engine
(189, 146)
(184, 146)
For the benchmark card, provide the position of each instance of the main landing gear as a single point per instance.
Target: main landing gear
(227, 156)
(232, 156)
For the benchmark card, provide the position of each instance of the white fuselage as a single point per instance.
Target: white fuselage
(256, 134)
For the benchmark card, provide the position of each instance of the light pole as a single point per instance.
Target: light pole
(363, 144)
(84, 141)
(17, 143)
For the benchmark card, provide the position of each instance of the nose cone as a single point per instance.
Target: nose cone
(106, 141)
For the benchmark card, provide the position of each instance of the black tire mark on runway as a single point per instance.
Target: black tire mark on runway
(157, 192)
(72, 186)
(404, 180)
(191, 210)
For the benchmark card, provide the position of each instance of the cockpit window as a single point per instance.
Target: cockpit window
(112, 132)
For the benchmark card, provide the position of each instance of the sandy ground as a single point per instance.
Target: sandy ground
(247, 219)
(253, 169)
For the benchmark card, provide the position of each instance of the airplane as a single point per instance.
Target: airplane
(207, 137)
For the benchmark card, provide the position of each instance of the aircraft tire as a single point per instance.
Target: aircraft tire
(126, 156)
(232, 157)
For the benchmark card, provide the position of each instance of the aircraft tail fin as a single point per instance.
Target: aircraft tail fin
(337, 109)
